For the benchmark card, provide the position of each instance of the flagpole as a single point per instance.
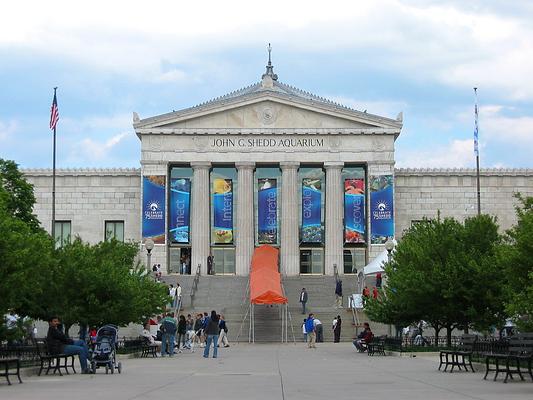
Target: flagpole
(54, 182)
(476, 149)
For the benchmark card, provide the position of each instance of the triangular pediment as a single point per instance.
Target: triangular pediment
(276, 106)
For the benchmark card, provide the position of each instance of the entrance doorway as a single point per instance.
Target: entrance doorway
(224, 260)
(180, 260)
(312, 261)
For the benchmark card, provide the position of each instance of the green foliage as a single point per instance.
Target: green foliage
(27, 257)
(443, 272)
(99, 284)
(81, 283)
(16, 194)
(515, 258)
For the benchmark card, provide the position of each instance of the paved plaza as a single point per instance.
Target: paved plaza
(272, 371)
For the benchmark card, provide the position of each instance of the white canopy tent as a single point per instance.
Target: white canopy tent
(373, 267)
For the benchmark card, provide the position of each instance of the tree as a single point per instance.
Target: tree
(26, 250)
(515, 258)
(443, 272)
(99, 284)
(17, 194)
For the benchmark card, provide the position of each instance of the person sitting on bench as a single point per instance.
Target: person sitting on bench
(58, 343)
(363, 338)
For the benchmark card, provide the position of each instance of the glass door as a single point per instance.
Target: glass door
(224, 261)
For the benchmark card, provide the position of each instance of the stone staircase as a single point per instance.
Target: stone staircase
(227, 295)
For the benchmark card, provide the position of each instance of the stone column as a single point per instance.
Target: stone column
(200, 212)
(334, 218)
(290, 257)
(244, 240)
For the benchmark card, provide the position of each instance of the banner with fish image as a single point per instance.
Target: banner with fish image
(153, 220)
(311, 231)
(267, 211)
(180, 206)
(381, 208)
(222, 211)
(354, 211)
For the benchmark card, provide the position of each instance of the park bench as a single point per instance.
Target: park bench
(520, 353)
(54, 362)
(377, 346)
(460, 357)
(148, 349)
(6, 368)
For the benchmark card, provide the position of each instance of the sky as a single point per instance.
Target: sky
(112, 58)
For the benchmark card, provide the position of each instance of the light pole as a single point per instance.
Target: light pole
(149, 245)
(389, 245)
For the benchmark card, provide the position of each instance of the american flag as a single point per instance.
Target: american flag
(54, 113)
(476, 127)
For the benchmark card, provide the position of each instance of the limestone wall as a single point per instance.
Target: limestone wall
(88, 198)
(422, 193)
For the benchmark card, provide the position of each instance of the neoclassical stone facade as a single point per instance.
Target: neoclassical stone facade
(268, 130)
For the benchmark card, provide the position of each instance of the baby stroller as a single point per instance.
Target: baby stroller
(105, 350)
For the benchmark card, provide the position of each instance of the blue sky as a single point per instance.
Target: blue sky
(419, 57)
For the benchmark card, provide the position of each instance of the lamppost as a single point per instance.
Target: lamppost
(149, 245)
(389, 246)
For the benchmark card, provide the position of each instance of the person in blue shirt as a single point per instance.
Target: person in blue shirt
(310, 329)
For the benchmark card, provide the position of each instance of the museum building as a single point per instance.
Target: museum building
(266, 164)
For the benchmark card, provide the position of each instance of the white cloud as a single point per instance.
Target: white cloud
(457, 154)
(93, 150)
(7, 129)
(455, 44)
(384, 108)
(495, 126)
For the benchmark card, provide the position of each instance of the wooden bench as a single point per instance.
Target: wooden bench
(148, 349)
(460, 357)
(520, 352)
(54, 362)
(377, 346)
(5, 368)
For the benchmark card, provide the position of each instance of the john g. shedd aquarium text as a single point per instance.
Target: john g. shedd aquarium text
(230, 142)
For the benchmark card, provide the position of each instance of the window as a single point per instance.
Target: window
(62, 233)
(114, 230)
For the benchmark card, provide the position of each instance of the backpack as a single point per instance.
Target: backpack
(168, 327)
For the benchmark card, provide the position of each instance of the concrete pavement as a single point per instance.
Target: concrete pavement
(272, 371)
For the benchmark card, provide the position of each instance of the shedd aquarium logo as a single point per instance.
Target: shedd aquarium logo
(153, 210)
(382, 210)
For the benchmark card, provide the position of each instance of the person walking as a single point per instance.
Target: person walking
(178, 297)
(379, 280)
(337, 323)
(189, 328)
(304, 332)
(303, 299)
(310, 330)
(182, 332)
(223, 331)
(197, 338)
(211, 331)
(338, 294)
(172, 294)
(169, 328)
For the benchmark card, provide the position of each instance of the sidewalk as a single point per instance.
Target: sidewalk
(271, 371)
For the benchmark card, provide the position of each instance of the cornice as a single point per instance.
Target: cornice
(463, 171)
(82, 171)
(267, 131)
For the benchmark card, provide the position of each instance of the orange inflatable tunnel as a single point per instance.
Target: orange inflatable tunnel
(265, 280)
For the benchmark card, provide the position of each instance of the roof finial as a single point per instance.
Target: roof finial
(269, 68)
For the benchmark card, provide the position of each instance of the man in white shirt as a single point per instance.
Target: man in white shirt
(319, 329)
(151, 340)
(178, 296)
(172, 294)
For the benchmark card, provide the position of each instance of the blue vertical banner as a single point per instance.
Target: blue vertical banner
(223, 211)
(180, 206)
(267, 211)
(381, 208)
(311, 231)
(153, 223)
(354, 211)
